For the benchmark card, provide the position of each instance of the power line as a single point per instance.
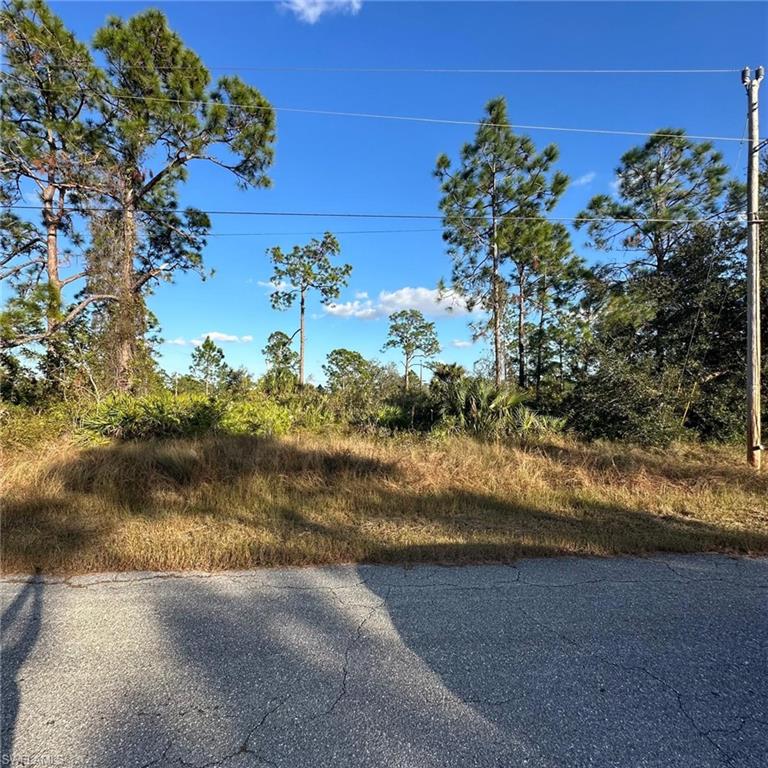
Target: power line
(319, 232)
(434, 70)
(491, 71)
(403, 118)
(416, 216)
(517, 126)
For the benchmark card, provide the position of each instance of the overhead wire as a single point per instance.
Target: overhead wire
(435, 70)
(400, 118)
(417, 216)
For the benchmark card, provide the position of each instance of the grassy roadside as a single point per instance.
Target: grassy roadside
(238, 502)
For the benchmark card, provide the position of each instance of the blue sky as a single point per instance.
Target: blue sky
(347, 164)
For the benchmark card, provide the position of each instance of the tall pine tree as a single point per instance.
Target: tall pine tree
(498, 176)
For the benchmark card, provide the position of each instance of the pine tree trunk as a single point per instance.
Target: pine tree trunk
(539, 350)
(539, 353)
(521, 348)
(498, 350)
(658, 320)
(125, 326)
(51, 221)
(497, 342)
(52, 256)
(53, 349)
(301, 339)
(407, 371)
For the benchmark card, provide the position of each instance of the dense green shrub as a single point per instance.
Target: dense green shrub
(391, 417)
(23, 427)
(257, 416)
(622, 401)
(527, 423)
(164, 416)
(155, 416)
(477, 406)
(717, 409)
(414, 409)
(460, 404)
(18, 384)
(310, 408)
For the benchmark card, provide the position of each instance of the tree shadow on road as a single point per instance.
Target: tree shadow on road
(20, 630)
(594, 672)
(451, 667)
(276, 676)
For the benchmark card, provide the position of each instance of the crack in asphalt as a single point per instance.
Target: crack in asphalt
(232, 576)
(160, 759)
(504, 588)
(680, 703)
(235, 577)
(244, 748)
(354, 638)
(633, 668)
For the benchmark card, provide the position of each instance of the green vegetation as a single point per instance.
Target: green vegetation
(410, 333)
(111, 462)
(649, 348)
(305, 269)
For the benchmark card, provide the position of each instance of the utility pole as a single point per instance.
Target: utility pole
(754, 446)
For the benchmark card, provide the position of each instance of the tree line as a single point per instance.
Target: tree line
(106, 149)
(648, 344)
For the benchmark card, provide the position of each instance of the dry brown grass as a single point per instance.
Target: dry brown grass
(237, 502)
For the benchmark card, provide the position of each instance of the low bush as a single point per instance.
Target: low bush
(527, 423)
(166, 416)
(391, 417)
(22, 427)
(414, 410)
(257, 416)
(309, 408)
(477, 406)
(467, 405)
(154, 416)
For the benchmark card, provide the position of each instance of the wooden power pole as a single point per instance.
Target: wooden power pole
(754, 446)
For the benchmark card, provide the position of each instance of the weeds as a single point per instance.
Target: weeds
(241, 501)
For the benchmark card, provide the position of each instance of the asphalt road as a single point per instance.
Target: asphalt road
(569, 662)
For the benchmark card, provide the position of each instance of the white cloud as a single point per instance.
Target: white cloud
(614, 185)
(356, 308)
(361, 295)
(281, 285)
(217, 336)
(428, 300)
(310, 11)
(461, 343)
(582, 181)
